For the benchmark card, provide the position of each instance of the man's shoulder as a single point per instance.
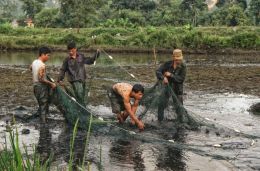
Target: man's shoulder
(183, 64)
(38, 62)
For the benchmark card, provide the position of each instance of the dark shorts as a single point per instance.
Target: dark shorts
(116, 100)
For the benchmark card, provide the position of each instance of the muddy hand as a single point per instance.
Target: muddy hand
(167, 74)
(53, 86)
(61, 83)
(140, 125)
(165, 80)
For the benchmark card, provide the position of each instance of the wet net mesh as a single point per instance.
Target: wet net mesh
(70, 108)
(153, 98)
(161, 100)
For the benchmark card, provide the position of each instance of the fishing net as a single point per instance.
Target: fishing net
(153, 98)
(161, 100)
(70, 108)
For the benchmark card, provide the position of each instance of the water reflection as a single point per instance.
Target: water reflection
(126, 153)
(137, 155)
(26, 58)
(44, 147)
(172, 158)
(64, 145)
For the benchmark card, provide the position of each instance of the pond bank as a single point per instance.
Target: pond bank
(141, 39)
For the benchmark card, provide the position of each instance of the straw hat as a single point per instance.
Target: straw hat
(177, 54)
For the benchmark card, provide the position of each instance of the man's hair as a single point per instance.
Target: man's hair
(44, 50)
(71, 45)
(138, 88)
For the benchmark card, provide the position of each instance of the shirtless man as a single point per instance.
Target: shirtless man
(120, 95)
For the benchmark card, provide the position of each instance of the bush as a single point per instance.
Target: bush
(47, 18)
(111, 31)
(106, 39)
(71, 37)
(159, 38)
(244, 40)
(138, 39)
(193, 39)
(6, 28)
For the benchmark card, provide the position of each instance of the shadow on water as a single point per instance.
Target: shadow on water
(44, 143)
(122, 152)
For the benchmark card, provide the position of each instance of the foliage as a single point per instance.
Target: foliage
(244, 40)
(236, 16)
(255, 11)
(47, 18)
(13, 159)
(132, 37)
(78, 13)
(7, 9)
(32, 7)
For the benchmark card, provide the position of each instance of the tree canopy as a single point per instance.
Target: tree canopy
(134, 13)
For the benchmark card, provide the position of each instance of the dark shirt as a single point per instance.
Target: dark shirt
(75, 68)
(177, 77)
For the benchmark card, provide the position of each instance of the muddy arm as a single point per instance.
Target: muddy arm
(130, 111)
(41, 76)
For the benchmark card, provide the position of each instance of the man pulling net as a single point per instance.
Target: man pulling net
(120, 96)
(172, 74)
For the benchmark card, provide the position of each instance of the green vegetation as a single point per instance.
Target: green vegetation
(136, 24)
(93, 13)
(13, 159)
(166, 37)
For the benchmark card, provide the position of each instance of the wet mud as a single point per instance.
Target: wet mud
(219, 92)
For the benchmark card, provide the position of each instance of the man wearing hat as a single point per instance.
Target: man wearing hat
(172, 73)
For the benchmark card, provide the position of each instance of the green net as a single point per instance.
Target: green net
(70, 108)
(160, 99)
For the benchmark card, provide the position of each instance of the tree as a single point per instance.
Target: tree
(192, 9)
(47, 17)
(236, 16)
(32, 7)
(78, 13)
(7, 9)
(143, 5)
(255, 11)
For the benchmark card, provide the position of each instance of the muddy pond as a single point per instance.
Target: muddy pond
(219, 89)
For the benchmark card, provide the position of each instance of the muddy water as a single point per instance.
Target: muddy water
(219, 89)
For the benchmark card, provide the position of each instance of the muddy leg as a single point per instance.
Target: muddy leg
(79, 91)
(41, 93)
(164, 99)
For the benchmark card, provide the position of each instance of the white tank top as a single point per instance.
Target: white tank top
(36, 65)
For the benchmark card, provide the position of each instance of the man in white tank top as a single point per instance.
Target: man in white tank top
(41, 84)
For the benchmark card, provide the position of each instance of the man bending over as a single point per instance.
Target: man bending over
(120, 96)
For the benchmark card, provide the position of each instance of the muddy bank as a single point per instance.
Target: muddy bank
(16, 86)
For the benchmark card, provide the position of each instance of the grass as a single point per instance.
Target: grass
(166, 37)
(14, 160)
